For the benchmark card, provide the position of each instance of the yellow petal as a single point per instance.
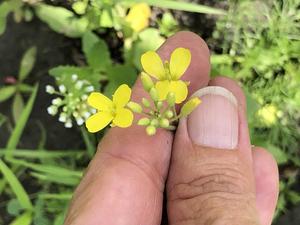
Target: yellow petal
(98, 121)
(179, 88)
(179, 62)
(163, 88)
(138, 16)
(122, 96)
(99, 101)
(123, 118)
(153, 65)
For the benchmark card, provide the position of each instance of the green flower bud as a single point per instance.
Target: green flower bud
(146, 102)
(164, 123)
(171, 99)
(135, 107)
(189, 106)
(159, 105)
(169, 114)
(151, 130)
(146, 81)
(154, 94)
(154, 122)
(144, 121)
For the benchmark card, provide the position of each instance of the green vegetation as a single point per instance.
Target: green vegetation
(260, 49)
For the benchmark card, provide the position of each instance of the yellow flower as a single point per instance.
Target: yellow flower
(138, 16)
(110, 110)
(168, 74)
(268, 114)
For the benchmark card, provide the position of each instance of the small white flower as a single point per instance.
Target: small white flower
(89, 88)
(49, 89)
(62, 88)
(68, 123)
(57, 101)
(79, 84)
(52, 110)
(79, 121)
(74, 77)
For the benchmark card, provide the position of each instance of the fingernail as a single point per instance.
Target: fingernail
(215, 121)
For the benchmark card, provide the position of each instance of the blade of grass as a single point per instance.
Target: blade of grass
(18, 130)
(180, 5)
(42, 153)
(24, 219)
(16, 186)
(60, 196)
(71, 181)
(49, 169)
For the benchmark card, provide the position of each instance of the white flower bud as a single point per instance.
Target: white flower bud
(62, 117)
(74, 77)
(62, 88)
(89, 89)
(79, 84)
(52, 110)
(49, 89)
(79, 121)
(68, 123)
(57, 101)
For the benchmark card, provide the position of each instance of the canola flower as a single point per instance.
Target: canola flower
(159, 110)
(110, 111)
(168, 73)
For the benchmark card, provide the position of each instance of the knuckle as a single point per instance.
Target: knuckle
(215, 196)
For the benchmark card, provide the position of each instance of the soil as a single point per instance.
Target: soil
(53, 50)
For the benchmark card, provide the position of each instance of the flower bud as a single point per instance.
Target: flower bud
(154, 122)
(135, 107)
(171, 99)
(49, 89)
(169, 114)
(189, 106)
(146, 81)
(154, 94)
(144, 121)
(146, 102)
(164, 123)
(151, 130)
(159, 105)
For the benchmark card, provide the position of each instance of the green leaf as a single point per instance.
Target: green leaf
(16, 186)
(25, 88)
(117, 75)
(18, 130)
(6, 92)
(96, 51)
(149, 39)
(62, 20)
(181, 5)
(71, 181)
(64, 74)
(4, 11)
(27, 63)
(88, 40)
(13, 207)
(24, 219)
(17, 107)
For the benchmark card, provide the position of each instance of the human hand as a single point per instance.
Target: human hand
(213, 175)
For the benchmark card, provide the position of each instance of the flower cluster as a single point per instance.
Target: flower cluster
(71, 101)
(159, 110)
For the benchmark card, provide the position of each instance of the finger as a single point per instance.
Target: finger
(125, 181)
(267, 184)
(211, 179)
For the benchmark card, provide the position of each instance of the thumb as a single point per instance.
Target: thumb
(211, 180)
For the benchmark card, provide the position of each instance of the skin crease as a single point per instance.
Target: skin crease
(125, 181)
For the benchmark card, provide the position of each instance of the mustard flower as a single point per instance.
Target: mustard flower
(110, 111)
(138, 16)
(168, 73)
